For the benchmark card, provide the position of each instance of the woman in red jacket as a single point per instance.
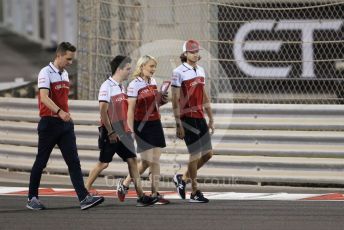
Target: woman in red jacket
(144, 118)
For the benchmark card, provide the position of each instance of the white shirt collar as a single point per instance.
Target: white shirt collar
(141, 79)
(54, 67)
(114, 81)
(189, 66)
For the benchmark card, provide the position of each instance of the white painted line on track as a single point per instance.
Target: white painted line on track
(62, 192)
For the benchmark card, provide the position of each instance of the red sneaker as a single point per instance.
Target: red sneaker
(122, 190)
(161, 199)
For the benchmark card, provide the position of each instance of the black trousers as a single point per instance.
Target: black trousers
(53, 131)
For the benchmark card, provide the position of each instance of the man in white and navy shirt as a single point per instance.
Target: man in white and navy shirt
(56, 128)
(115, 135)
(189, 98)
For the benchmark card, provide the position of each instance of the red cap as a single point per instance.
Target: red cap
(191, 45)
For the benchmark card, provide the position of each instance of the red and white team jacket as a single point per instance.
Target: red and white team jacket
(192, 82)
(114, 94)
(58, 84)
(146, 103)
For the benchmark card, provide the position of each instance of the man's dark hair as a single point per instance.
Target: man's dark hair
(184, 59)
(63, 47)
(119, 62)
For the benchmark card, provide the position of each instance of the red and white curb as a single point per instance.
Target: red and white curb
(61, 192)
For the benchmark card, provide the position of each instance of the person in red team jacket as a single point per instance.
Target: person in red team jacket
(115, 134)
(56, 128)
(189, 98)
(144, 119)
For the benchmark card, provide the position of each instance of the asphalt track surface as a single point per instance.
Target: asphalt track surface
(64, 213)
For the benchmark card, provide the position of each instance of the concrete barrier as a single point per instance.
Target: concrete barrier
(253, 143)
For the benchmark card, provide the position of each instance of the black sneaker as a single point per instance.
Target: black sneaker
(90, 201)
(35, 204)
(146, 201)
(180, 184)
(198, 198)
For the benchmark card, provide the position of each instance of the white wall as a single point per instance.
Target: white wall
(59, 20)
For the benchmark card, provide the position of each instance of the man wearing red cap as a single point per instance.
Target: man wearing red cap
(189, 98)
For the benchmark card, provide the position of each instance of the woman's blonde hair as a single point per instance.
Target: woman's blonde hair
(141, 62)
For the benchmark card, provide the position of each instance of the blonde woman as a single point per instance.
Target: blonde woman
(144, 118)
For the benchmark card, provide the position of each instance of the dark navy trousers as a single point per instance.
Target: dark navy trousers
(54, 131)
